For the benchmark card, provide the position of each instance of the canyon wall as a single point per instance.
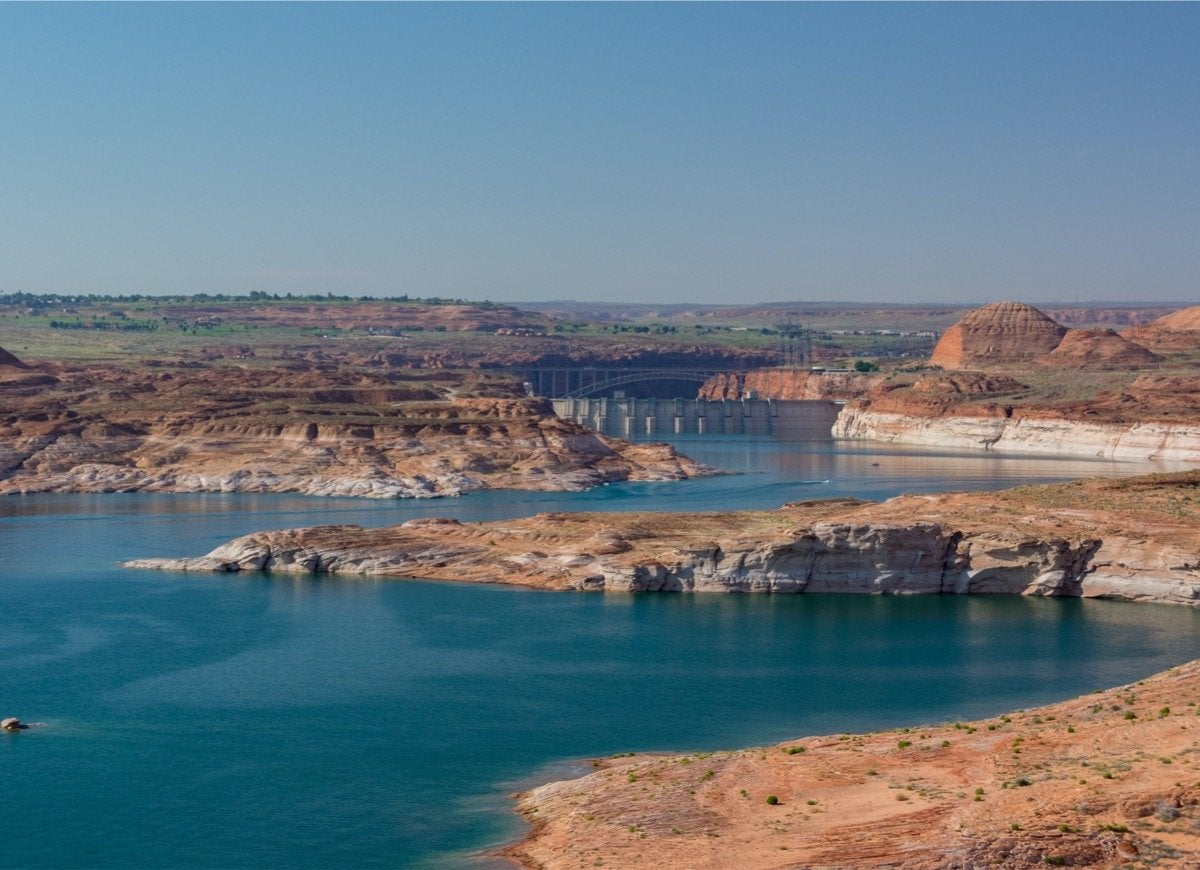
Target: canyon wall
(1162, 441)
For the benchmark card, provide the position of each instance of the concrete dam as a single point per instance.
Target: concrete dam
(792, 420)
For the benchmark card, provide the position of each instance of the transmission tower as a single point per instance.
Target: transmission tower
(795, 346)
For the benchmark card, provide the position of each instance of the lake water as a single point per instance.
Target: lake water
(236, 720)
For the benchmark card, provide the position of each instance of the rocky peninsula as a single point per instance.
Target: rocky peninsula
(1105, 780)
(1134, 539)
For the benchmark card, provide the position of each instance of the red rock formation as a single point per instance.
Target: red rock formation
(789, 384)
(1175, 332)
(1098, 349)
(996, 334)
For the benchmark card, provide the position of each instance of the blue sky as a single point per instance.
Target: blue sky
(627, 152)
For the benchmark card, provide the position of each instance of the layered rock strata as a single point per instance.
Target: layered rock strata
(789, 384)
(338, 432)
(1115, 539)
(1176, 332)
(996, 334)
(1166, 442)
(1102, 781)
(1154, 417)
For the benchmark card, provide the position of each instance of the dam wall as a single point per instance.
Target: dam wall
(791, 420)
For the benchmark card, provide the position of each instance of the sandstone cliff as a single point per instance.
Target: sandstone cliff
(787, 384)
(1118, 539)
(1019, 433)
(1148, 416)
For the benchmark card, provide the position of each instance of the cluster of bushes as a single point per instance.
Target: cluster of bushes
(120, 326)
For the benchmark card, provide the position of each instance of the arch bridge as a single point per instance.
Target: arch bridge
(565, 382)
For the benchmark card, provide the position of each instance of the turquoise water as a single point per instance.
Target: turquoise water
(205, 721)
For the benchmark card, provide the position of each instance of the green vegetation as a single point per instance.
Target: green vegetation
(36, 300)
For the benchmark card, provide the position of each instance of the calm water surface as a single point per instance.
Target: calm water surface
(205, 721)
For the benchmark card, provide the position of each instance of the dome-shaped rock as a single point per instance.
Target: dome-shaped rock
(1003, 332)
(1178, 331)
(1098, 349)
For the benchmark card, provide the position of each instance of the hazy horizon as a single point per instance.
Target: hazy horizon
(949, 154)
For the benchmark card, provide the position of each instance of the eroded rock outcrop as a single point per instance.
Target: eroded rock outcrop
(1098, 349)
(1085, 540)
(997, 334)
(1175, 332)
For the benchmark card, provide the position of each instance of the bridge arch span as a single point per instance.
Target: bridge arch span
(577, 382)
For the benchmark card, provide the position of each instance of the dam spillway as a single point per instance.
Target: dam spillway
(792, 420)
